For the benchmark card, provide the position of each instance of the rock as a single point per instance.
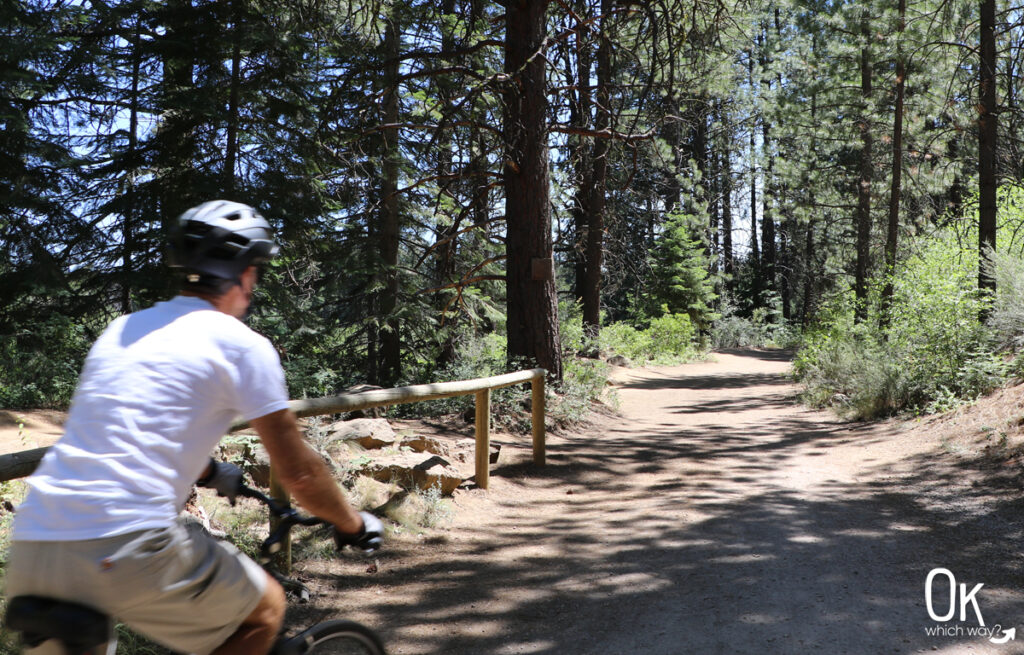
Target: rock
(464, 450)
(619, 360)
(416, 471)
(370, 433)
(423, 444)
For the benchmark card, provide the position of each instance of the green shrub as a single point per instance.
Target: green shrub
(1007, 320)
(584, 382)
(845, 367)
(624, 339)
(672, 338)
(39, 366)
(669, 339)
(764, 328)
(933, 347)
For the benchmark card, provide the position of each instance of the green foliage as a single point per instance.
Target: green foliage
(680, 282)
(39, 367)
(1007, 320)
(933, 349)
(668, 339)
(764, 328)
(624, 339)
(584, 382)
(673, 334)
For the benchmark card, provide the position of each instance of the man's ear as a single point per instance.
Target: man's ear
(251, 276)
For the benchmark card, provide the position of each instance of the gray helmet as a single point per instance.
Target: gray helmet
(220, 239)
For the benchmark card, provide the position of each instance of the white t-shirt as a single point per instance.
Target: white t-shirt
(158, 390)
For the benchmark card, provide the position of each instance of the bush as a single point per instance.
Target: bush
(669, 339)
(764, 328)
(624, 339)
(672, 338)
(846, 368)
(1007, 320)
(39, 366)
(933, 349)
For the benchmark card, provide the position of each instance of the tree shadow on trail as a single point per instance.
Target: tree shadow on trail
(685, 540)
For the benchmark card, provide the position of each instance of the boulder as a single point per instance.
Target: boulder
(423, 444)
(464, 450)
(415, 471)
(370, 433)
(620, 360)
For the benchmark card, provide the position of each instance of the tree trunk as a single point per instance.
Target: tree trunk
(579, 115)
(175, 135)
(700, 153)
(132, 202)
(714, 185)
(768, 201)
(755, 255)
(767, 213)
(231, 147)
(864, 183)
(895, 188)
(596, 206)
(808, 278)
(728, 263)
(987, 134)
(530, 280)
(390, 336)
(447, 233)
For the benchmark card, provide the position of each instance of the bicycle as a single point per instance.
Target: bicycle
(83, 630)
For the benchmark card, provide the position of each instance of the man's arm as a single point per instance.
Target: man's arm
(303, 472)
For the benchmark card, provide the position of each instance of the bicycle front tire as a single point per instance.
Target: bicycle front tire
(338, 637)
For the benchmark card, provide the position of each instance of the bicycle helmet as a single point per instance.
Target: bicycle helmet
(220, 239)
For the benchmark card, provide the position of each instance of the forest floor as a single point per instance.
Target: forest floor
(710, 513)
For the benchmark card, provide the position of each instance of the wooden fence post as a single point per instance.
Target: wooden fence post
(483, 438)
(283, 558)
(537, 401)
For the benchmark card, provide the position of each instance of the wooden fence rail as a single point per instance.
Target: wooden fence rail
(23, 463)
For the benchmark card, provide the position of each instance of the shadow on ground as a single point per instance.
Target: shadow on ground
(701, 539)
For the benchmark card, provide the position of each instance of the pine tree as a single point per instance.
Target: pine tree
(679, 266)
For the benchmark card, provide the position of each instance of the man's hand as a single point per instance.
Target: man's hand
(224, 477)
(369, 539)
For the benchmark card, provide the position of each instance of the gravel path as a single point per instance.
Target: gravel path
(715, 515)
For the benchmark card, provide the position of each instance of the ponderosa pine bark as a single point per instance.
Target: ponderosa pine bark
(594, 251)
(532, 303)
(863, 213)
(987, 134)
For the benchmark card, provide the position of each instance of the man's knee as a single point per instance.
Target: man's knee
(270, 611)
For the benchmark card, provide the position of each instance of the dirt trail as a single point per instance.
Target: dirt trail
(715, 516)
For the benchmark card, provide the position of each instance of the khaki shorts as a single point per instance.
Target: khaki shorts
(178, 586)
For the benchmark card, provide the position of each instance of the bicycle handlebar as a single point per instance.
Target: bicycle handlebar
(286, 515)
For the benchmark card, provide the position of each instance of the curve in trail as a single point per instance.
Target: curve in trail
(715, 515)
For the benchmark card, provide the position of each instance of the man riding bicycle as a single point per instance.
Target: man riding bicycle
(160, 387)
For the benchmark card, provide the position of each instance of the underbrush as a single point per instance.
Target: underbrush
(764, 328)
(930, 352)
(39, 366)
(664, 340)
